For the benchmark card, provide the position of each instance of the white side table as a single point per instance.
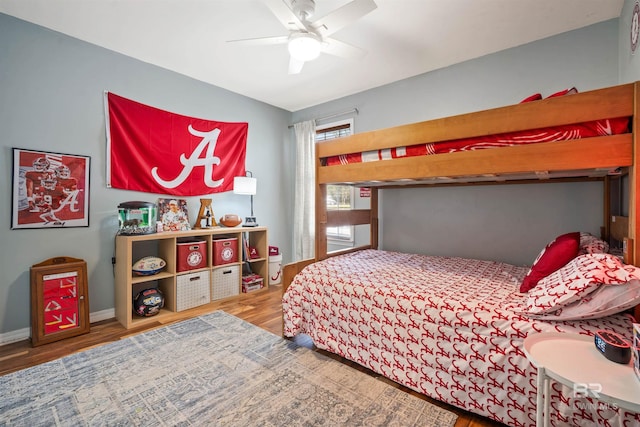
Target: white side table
(574, 361)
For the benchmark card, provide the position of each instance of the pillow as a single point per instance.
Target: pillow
(578, 278)
(604, 301)
(571, 91)
(555, 255)
(534, 97)
(590, 244)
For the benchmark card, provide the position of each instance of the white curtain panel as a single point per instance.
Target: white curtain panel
(304, 212)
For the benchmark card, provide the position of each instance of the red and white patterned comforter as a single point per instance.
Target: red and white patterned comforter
(551, 134)
(446, 327)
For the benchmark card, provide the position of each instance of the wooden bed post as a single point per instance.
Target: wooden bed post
(605, 230)
(634, 185)
(373, 225)
(321, 221)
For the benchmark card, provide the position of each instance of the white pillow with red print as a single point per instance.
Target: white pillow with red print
(578, 278)
(604, 301)
(590, 244)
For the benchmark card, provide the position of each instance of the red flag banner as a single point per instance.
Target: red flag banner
(155, 151)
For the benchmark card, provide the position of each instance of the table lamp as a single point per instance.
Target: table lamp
(246, 185)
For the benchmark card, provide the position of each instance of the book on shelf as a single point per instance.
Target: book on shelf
(246, 265)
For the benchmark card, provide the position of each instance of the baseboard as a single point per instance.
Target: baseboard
(25, 333)
(99, 316)
(14, 336)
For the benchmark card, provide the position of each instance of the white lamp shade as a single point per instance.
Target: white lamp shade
(245, 185)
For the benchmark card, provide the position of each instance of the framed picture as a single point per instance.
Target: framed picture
(50, 190)
(173, 214)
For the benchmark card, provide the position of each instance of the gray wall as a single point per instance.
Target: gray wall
(506, 223)
(509, 223)
(51, 98)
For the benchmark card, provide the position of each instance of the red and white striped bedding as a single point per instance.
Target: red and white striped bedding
(446, 327)
(551, 134)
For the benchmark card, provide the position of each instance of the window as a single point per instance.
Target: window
(339, 197)
(333, 131)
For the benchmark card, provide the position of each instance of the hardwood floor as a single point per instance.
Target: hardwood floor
(263, 309)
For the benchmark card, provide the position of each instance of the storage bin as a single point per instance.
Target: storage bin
(275, 269)
(252, 283)
(191, 254)
(225, 282)
(192, 290)
(225, 251)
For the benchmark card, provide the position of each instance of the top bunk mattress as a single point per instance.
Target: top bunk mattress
(584, 135)
(576, 131)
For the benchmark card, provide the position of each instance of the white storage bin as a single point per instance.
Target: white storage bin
(193, 289)
(275, 269)
(225, 282)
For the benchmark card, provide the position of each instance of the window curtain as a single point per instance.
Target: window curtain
(304, 224)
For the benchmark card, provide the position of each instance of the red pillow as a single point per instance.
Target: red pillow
(571, 91)
(554, 256)
(534, 97)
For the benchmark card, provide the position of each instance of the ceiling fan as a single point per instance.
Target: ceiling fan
(307, 39)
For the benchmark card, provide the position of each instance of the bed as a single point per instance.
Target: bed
(452, 328)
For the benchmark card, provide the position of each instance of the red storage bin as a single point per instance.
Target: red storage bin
(225, 251)
(192, 254)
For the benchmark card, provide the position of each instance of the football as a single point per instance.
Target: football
(230, 220)
(148, 302)
(148, 266)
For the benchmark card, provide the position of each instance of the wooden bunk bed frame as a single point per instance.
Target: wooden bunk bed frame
(584, 159)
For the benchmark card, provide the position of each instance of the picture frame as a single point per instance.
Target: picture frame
(173, 214)
(49, 190)
(59, 300)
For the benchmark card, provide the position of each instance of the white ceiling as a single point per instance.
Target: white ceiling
(403, 38)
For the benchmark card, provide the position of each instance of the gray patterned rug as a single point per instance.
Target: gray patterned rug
(213, 370)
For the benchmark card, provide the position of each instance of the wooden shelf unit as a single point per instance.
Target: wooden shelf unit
(164, 245)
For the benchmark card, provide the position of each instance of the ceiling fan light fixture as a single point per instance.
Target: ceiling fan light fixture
(304, 46)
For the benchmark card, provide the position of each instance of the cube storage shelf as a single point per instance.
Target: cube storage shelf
(223, 281)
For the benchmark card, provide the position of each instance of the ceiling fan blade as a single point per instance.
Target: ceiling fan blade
(262, 41)
(295, 65)
(343, 16)
(285, 15)
(342, 49)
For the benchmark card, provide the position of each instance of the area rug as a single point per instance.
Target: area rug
(213, 370)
